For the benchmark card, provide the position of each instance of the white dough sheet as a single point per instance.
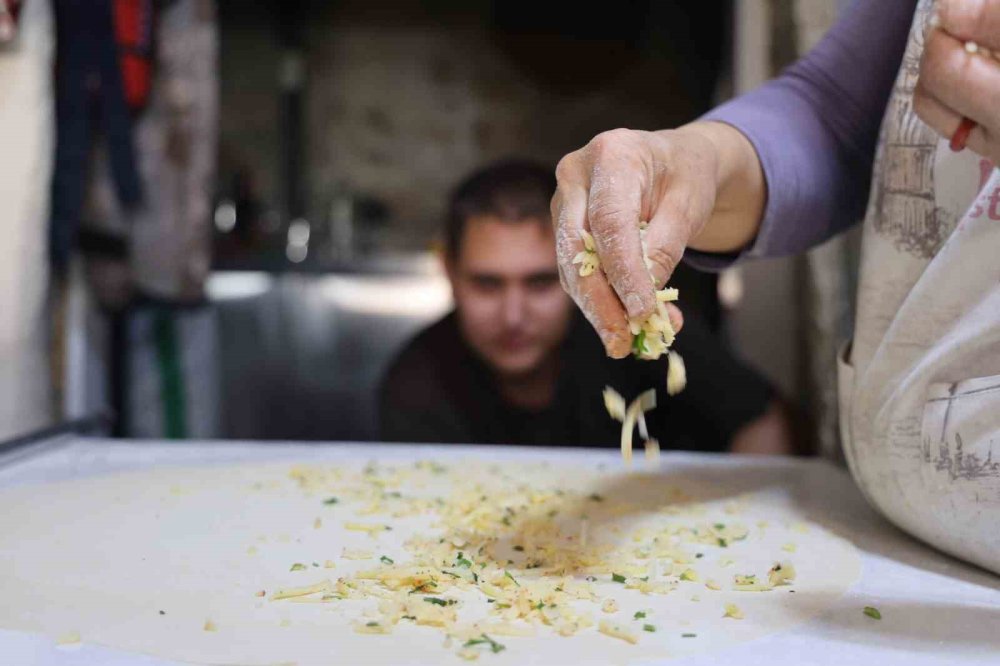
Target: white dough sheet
(582, 563)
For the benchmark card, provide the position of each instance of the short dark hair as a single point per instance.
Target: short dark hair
(513, 190)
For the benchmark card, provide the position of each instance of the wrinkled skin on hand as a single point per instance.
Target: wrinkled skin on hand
(617, 181)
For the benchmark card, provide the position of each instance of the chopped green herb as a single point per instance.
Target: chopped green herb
(507, 574)
(460, 561)
(519, 549)
(371, 624)
(639, 344)
(298, 566)
(689, 635)
(506, 520)
(485, 640)
(386, 560)
(699, 555)
(539, 606)
(618, 578)
(475, 577)
(720, 526)
(873, 613)
(644, 579)
(723, 543)
(596, 498)
(440, 602)
(639, 615)
(409, 617)
(648, 627)
(450, 573)
(330, 500)
(163, 612)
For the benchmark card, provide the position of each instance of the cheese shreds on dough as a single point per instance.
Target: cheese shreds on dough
(536, 556)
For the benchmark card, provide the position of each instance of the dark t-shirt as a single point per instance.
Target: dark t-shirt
(438, 390)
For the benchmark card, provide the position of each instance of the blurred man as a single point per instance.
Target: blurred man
(516, 363)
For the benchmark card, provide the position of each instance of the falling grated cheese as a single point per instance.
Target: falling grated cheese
(676, 373)
(645, 402)
(652, 451)
(614, 403)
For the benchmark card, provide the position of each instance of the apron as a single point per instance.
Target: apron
(920, 384)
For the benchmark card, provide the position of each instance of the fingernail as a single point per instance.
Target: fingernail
(634, 305)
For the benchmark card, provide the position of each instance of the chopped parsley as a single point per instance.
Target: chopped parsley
(617, 578)
(330, 501)
(648, 627)
(873, 613)
(485, 640)
(440, 602)
(298, 566)
(507, 574)
(639, 615)
(639, 344)
(385, 559)
(596, 498)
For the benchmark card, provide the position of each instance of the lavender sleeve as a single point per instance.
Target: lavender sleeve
(815, 128)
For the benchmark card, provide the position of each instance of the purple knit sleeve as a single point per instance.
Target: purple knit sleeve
(815, 128)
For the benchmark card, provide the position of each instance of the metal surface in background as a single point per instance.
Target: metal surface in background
(301, 355)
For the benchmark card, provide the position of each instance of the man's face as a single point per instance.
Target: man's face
(511, 308)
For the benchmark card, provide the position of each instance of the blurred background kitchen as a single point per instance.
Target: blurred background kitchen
(236, 243)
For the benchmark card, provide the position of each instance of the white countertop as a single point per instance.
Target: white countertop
(935, 610)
